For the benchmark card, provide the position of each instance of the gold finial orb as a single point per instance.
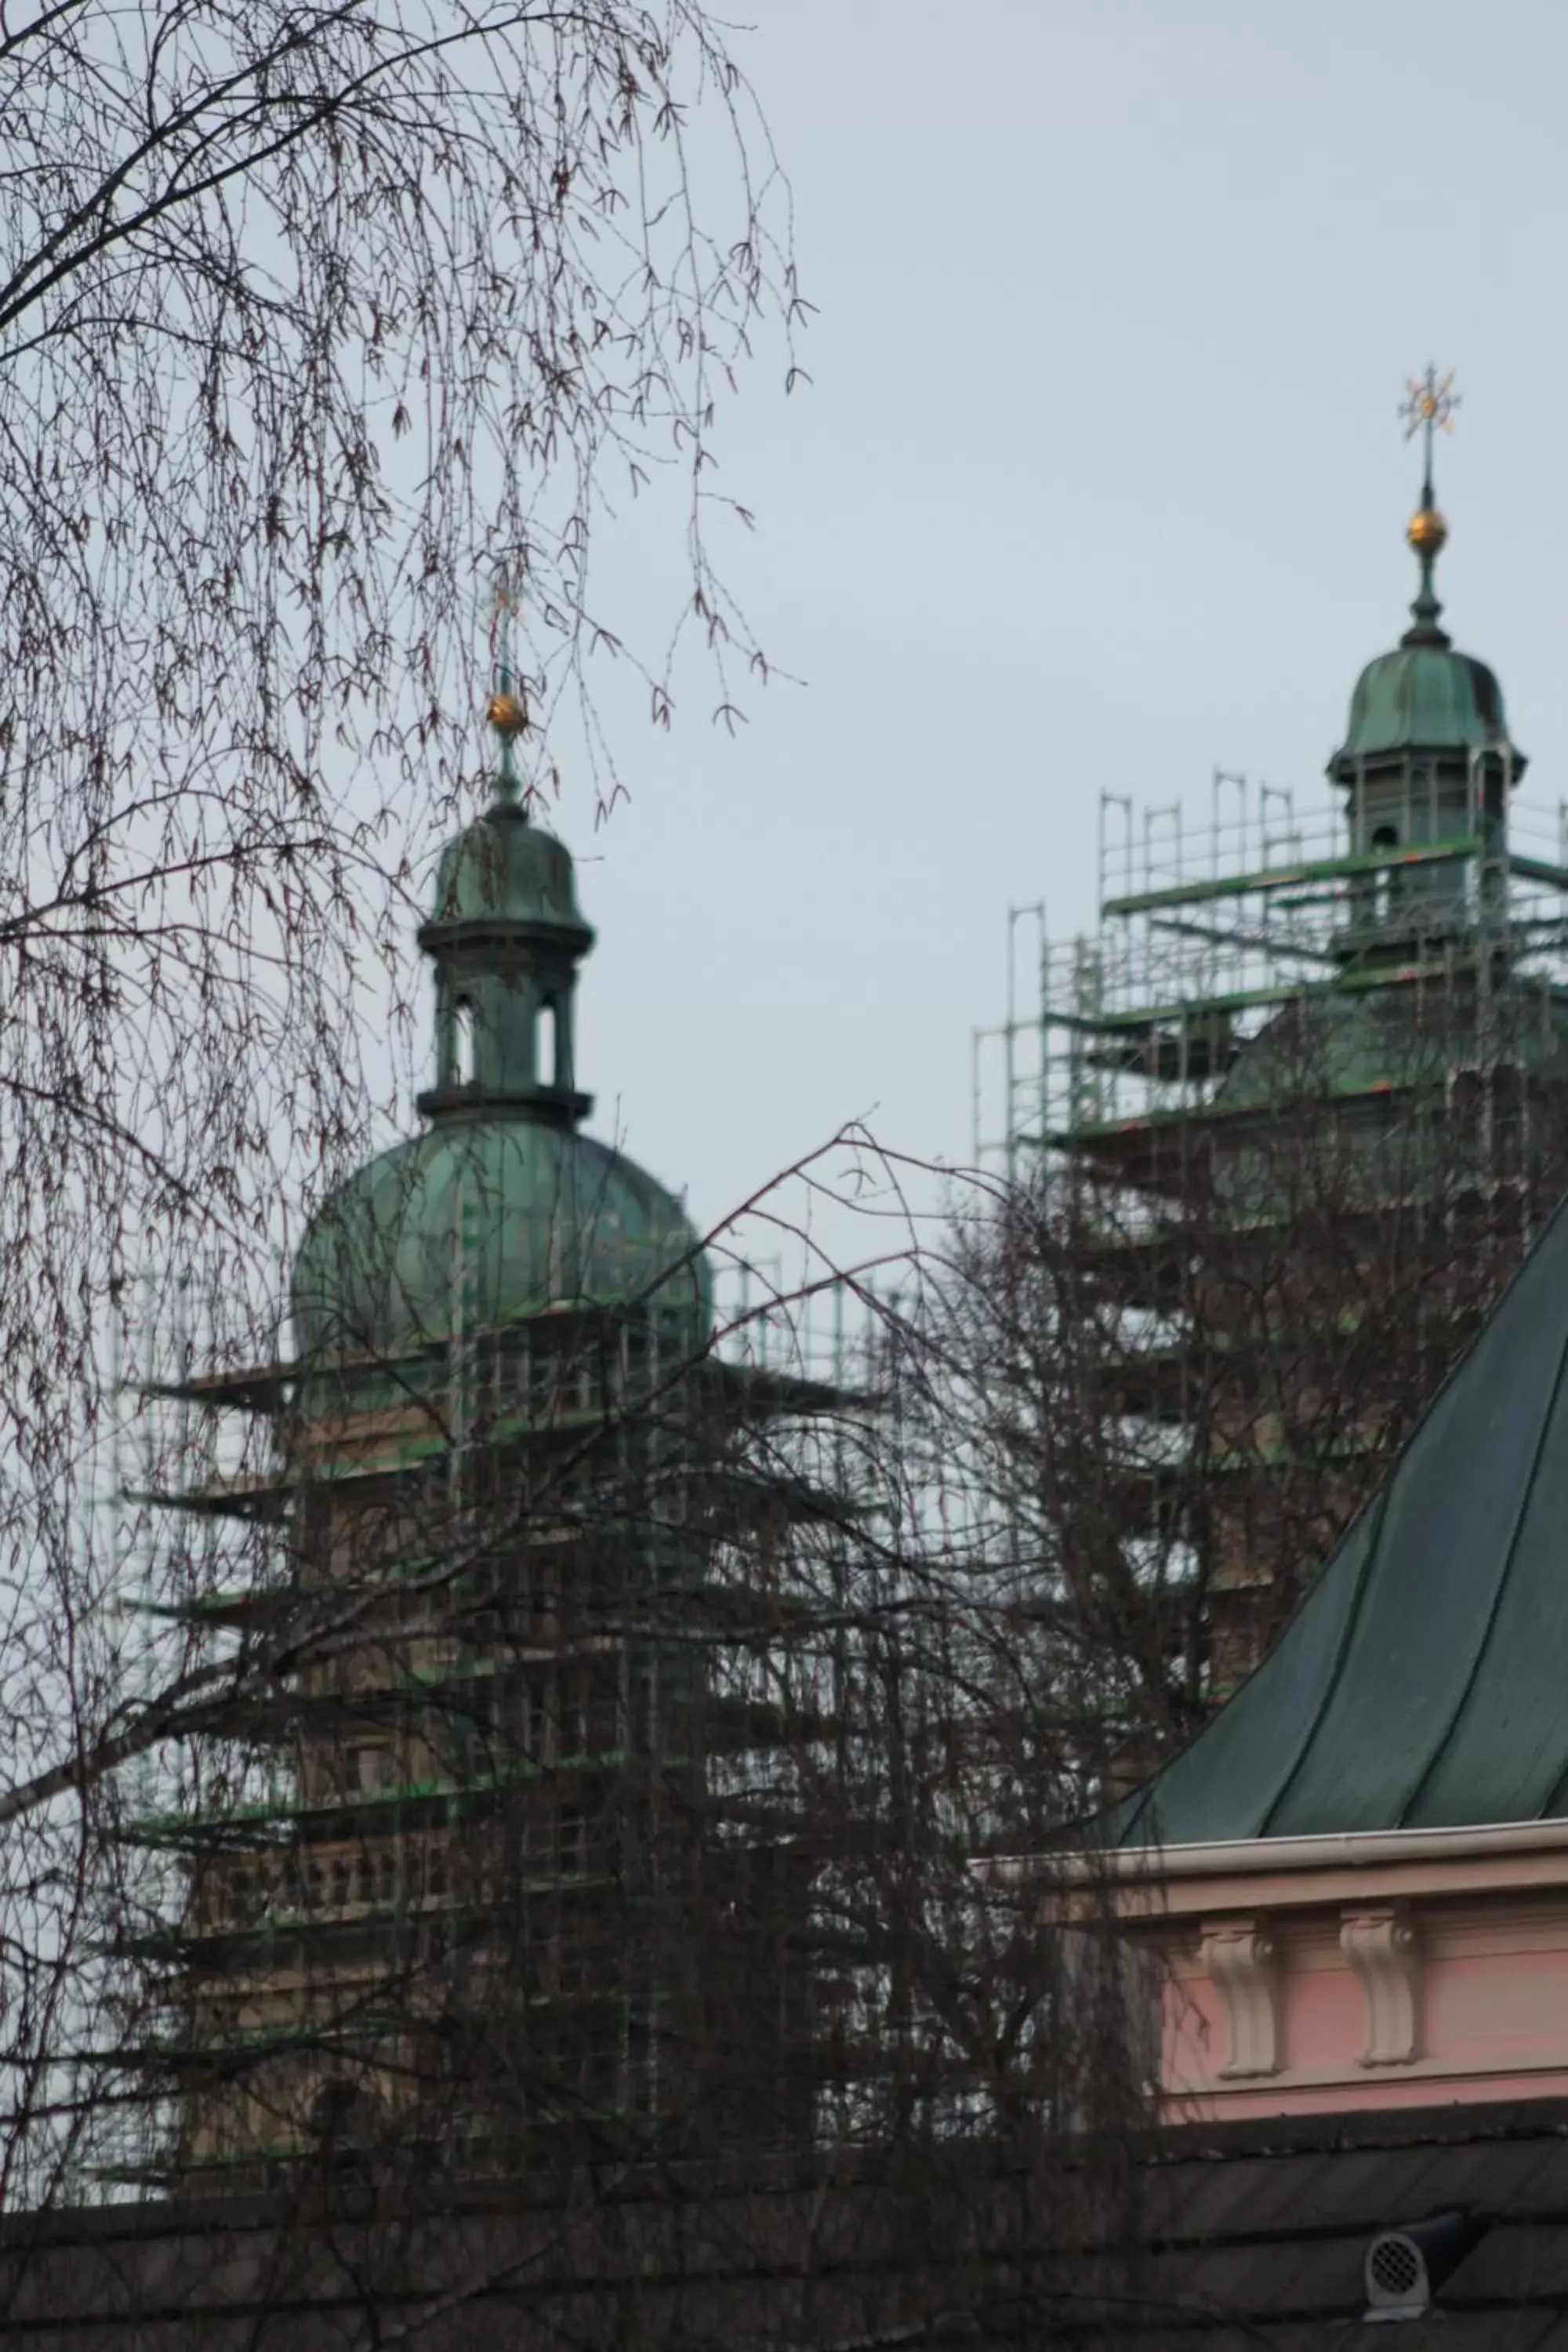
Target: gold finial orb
(507, 714)
(1426, 531)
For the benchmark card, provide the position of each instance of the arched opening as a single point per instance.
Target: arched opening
(547, 1047)
(463, 1043)
(1384, 837)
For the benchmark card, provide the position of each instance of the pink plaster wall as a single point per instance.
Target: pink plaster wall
(1323, 2017)
(1479, 1972)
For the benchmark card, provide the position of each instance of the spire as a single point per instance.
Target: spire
(506, 710)
(1427, 409)
(1422, 699)
(506, 936)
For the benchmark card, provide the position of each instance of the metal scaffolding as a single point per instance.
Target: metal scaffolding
(536, 1532)
(1205, 932)
(1292, 1109)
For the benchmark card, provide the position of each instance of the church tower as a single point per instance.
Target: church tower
(465, 1912)
(1289, 1118)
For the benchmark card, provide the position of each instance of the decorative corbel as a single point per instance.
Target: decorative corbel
(1239, 1958)
(1380, 1945)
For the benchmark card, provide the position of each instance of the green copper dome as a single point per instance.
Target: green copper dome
(1424, 697)
(502, 1209)
(504, 868)
(476, 1224)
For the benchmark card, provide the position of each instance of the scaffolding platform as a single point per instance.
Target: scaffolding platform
(1205, 932)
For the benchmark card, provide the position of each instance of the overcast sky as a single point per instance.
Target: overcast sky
(1099, 483)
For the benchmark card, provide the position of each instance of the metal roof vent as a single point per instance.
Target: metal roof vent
(1405, 2267)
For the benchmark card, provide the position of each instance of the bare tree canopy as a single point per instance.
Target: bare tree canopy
(573, 1750)
(313, 317)
(250, 250)
(538, 1732)
(310, 315)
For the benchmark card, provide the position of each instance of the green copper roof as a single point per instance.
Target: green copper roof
(1422, 1682)
(479, 1222)
(1424, 697)
(503, 869)
(1355, 1041)
(503, 1207)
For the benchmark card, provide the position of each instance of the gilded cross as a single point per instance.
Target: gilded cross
(1428, 408)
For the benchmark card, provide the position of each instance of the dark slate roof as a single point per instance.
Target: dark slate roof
(1229, 2238)
(1421, 1683)
(1256, 2235)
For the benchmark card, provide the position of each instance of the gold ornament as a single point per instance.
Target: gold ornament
(507, 714)
(1426, 531)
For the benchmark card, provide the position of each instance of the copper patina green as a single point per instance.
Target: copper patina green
(503, 1207)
